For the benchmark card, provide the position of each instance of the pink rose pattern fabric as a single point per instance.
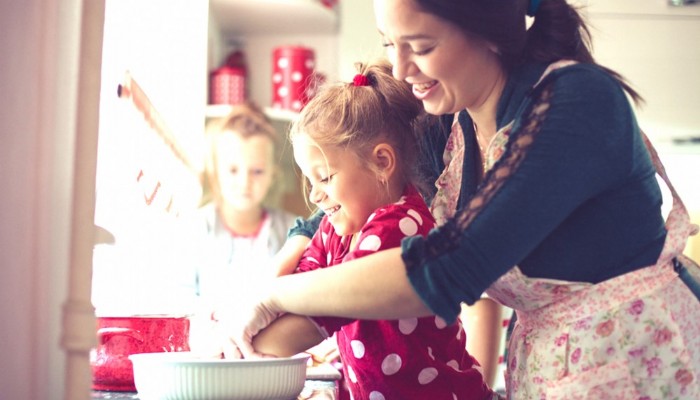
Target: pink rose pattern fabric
(449, 182)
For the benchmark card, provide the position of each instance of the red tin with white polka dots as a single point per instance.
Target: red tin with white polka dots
(227, 84)
(292, 77)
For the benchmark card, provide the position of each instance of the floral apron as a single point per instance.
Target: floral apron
(636, 336)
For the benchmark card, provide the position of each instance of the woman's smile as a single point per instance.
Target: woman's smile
(422, 90)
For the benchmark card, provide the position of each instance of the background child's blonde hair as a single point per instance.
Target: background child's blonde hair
(245, 119)
(358, 117)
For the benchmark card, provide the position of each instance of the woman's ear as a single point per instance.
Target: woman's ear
(384, 159)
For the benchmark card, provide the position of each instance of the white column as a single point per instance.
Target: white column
(78, 334)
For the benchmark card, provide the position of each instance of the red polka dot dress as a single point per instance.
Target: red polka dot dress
(412, 358)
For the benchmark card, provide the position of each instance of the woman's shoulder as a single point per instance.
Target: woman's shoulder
(583, 78)
(583, 91)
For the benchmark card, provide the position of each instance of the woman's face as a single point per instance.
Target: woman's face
(448, 69)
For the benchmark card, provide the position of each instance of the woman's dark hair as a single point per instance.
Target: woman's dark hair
(557, 32)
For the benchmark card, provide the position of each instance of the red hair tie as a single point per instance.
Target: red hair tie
(360, 80)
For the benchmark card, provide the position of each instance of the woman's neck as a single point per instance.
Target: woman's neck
(484, 114)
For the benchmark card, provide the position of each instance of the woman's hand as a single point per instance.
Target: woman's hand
(239, 320)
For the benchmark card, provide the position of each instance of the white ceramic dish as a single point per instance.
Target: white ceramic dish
(185, 376)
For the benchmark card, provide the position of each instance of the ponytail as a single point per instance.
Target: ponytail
(559, 32)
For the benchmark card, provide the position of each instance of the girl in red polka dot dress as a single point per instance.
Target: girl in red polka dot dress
(355, 145)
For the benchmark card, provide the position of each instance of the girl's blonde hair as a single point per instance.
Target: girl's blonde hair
(246, 120)
(358, 116)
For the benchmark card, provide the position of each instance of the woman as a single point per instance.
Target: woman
(570, 197)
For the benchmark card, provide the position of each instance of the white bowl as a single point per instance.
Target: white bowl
(185, 376)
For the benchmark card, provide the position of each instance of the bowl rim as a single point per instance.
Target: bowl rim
(189, 358)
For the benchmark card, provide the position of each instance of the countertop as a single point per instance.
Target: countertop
(313, 390)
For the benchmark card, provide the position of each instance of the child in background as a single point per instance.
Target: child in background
(355, 144)
(240, 234)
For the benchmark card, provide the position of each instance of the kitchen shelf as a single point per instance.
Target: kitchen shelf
(271, 17)
(275, 114)
(631, 9)
(257, 27)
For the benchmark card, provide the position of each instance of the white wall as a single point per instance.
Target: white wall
(162, 44)
(655, 47)
(50, 82)
(359, 39)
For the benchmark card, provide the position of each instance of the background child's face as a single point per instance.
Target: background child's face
(245, 169)
(341, 184)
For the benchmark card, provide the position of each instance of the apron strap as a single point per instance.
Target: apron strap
(678, 208)
(687, 269)
(661, 170)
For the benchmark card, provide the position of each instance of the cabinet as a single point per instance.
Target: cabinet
(654, 46)
(638, 8)
(257, 27)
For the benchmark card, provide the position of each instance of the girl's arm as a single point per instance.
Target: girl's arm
(286, 336)
(287, 258)
(483, 323)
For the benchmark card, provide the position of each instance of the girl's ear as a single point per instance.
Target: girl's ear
(384, 158)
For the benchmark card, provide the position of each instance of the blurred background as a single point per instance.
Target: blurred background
(81, 227)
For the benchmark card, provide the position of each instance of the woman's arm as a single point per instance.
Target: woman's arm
(288, 335)
(372, 287)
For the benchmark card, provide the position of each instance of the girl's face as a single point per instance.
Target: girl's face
(245, 169)
(341, 184)
(448, 69)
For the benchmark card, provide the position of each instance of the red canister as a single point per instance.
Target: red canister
(119, 337)
(292, 77)
(227, 84)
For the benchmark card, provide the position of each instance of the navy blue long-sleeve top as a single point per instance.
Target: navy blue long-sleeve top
(581, 203)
